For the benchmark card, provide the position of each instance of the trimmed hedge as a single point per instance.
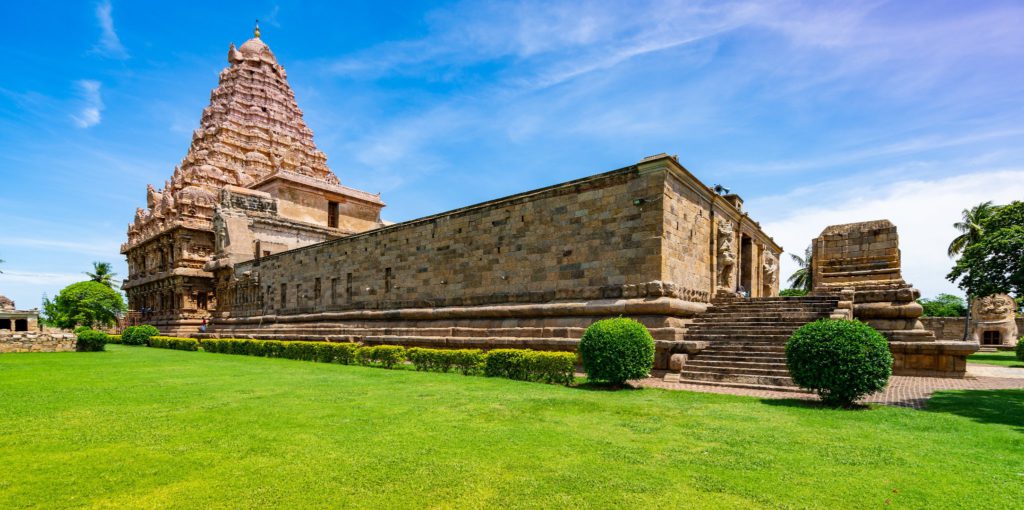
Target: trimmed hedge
(467, 361)
(841, 360)
(170, 342)
(617, 350)
(530, 365)
(90, 340)
(138, 335)
(113, 339)
(323, 352)
(386, 356)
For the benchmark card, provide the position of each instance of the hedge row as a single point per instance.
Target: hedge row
(90, 340)
(170, 342)
(467, 361)
(323, 352)
(138, 335)
(530, 365)
(113, 339)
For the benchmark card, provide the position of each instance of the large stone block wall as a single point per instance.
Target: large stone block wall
(37, 342)
(584, 241)
(945, 328)
(687, 237)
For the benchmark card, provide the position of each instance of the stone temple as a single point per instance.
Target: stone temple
(255, 234)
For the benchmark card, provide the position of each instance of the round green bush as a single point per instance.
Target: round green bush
(1020, 350)
(90, 340)
(617, 350)
(138, 335)
(841, 360)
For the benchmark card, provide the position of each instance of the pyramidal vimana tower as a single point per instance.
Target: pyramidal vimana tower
(252, 173)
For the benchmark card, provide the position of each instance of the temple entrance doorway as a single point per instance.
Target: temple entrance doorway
(5, 324)
(991, 338)
(746, 264)
(21, 324)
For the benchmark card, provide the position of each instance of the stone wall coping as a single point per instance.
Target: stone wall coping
(948, 347)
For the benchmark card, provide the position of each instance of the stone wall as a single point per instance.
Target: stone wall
(37, 342)
(952, 328)
(533, 269)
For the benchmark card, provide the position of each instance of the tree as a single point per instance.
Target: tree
(802, 278)
(995, 263)
(102, 273)
(944, 305)
(1, 262)
(970, 227)
(86, 303)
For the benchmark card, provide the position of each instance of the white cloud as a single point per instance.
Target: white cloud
(109, 44)
(100, 248)
(922, 210)
(91, 104)
(32, 278)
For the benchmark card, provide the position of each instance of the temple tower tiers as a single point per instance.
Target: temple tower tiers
(251, 139)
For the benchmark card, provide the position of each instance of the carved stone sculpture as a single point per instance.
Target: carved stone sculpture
(726, 253)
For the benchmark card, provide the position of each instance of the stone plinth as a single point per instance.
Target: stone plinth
(864, 258)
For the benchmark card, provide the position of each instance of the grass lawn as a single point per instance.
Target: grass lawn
(140, 427)
(1002, 358)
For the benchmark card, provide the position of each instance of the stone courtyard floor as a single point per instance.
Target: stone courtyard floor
(903, 391)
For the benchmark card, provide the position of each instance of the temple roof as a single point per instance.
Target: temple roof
(6, 303)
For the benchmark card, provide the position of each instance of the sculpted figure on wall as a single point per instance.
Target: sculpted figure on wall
(726, 253)
(769, 270)
(994, 320)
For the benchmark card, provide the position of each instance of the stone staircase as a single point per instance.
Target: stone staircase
(746, 339)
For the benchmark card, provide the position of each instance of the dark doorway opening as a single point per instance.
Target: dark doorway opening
(746, 264)
(991, 338)
(5, 323)
(21, 325)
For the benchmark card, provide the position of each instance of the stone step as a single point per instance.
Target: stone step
(756, 380)
(766, 371)
(724, 384)
(767, 357)
(745, 365)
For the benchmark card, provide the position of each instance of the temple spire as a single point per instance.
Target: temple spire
(256, 31)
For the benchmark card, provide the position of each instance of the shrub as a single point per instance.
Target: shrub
(468, 361)
(793, 292)
(616, 350)
(1020, 350)
(168, 342)
(840, 360)
(529, 365)
(386, 356)
(89, 340)
(323, 352)
(113, 339)
(80, 329)
(138, 335)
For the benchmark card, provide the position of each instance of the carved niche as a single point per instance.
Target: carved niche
(995, 322)
(726, 253)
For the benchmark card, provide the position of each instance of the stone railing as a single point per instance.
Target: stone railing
(37, 342)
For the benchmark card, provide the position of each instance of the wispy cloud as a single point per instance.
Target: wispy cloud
(109, 44)
(90, 108)
(34, 278)
(98, 248)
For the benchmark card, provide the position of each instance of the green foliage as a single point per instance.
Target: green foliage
(944, 305)
(616, 350)
(971, 227)
(530, 365)
(467, 361)
(90, 340)
(83, 303)
(113, 339)
(102, 273)
(80, 329)
(1020, 350)
(803, 278)
(323, 352)
(841, 360)
(169, 342)
(994, 264)
(386, 356)
(793, 292)
(138, 335)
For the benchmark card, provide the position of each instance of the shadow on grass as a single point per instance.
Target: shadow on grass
(810, 404)
(1003, 407)
(600, 386)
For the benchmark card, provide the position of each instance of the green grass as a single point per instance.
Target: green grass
(147, 428)
(1001, 358)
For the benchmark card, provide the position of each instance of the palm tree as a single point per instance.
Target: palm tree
(802, 278)
(970, 227)
(102, 273)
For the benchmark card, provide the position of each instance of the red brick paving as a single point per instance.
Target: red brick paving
(903, 391)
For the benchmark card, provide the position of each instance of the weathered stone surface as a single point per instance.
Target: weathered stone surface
(36, 342)
(12, 319)
(952, 328)
(994, 320)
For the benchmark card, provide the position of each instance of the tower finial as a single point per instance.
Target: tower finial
(256, 31)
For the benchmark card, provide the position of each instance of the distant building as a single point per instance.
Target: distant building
(12, 319)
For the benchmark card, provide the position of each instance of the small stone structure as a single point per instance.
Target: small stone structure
(952, 328)
(993, 320)
(12, 319)
(36, 342)
(865, 258)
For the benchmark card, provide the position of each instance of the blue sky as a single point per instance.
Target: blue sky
(816, 112)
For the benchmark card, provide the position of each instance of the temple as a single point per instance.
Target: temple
(253, 174)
